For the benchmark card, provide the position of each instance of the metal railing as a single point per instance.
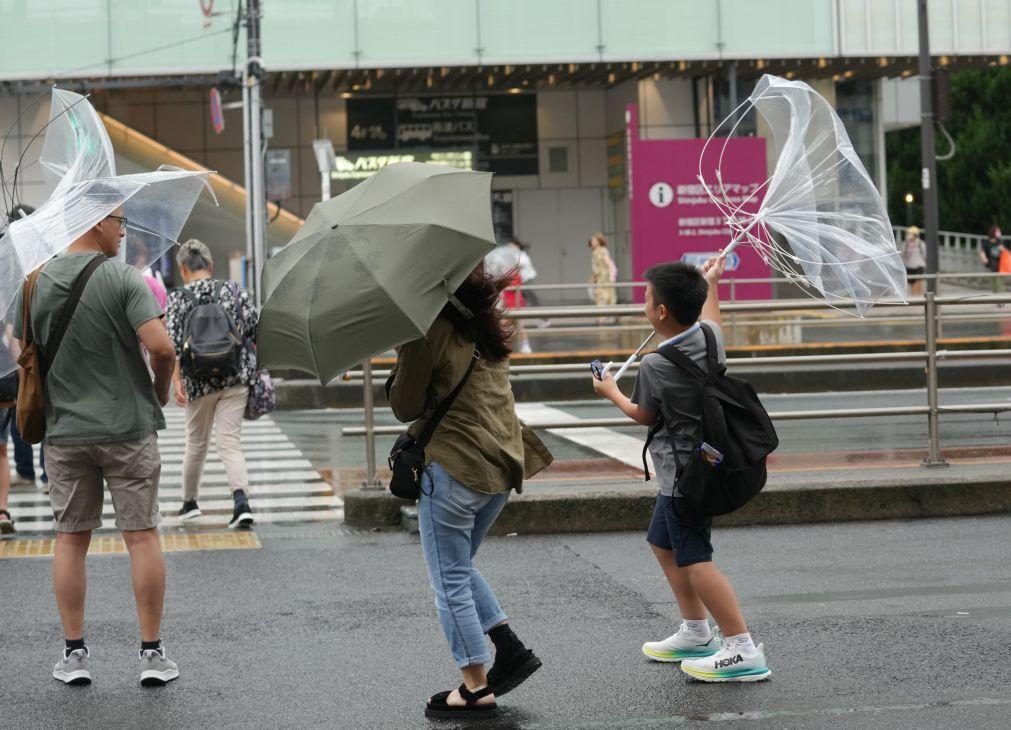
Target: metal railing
(930, 303)
(730, 285)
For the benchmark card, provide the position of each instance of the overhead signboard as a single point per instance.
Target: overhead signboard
(360, 166)
(502, 128)
(673, 216)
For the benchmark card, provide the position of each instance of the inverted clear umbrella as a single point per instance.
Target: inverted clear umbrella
(77, 160)
(372, 268)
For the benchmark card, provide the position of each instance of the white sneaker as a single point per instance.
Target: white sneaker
(682, 645)
(156, 668)
(730, 664)
(525, 348)
(73, 667)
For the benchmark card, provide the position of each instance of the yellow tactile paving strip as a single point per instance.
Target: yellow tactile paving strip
(43, 547)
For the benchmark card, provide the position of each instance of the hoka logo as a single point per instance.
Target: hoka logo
(729, 662)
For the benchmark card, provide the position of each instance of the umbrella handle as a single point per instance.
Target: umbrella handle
(739, 237)
(631, 359)
(626, 366)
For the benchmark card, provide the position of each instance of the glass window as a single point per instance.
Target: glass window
(422, 32)
(301, 33)
(534, 30)
(658, 29)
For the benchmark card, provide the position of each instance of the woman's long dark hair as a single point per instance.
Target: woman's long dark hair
(488, 328)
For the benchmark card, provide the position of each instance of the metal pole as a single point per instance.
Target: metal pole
(934, 458)
(732, 83)
(247, 168)
(253, 95)
(324, 184)
(370, 427)
(928, 174)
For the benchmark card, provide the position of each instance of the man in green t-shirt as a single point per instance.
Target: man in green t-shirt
(102, 418)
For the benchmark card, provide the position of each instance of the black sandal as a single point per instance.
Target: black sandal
(6, 525)
(438, 707)
(508, 673)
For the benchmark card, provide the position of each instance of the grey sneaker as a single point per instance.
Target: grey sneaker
(156, 669)
(73, 667)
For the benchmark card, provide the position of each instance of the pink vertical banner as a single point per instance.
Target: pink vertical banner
(673, 218)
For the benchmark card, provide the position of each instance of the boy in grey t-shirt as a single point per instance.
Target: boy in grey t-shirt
(680, 300)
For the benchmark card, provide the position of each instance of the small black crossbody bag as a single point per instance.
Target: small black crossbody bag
(407, 458)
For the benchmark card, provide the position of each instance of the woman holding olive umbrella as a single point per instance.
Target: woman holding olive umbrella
(391, 263)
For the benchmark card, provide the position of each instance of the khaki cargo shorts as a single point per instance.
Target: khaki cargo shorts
(131, 469)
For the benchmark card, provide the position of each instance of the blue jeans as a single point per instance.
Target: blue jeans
(453, 520)
(24, 460)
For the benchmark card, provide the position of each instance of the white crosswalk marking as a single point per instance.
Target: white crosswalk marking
(621, 447)
(283, 485)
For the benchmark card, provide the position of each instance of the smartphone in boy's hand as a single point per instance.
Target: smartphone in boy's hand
(597, 368)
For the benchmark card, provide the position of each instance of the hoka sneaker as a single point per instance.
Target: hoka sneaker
(73, 667)
(155, 668)
(730, 664)
(682, 645)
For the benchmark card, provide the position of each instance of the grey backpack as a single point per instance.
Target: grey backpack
(212, 344)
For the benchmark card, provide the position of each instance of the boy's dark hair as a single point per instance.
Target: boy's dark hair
(681, 288)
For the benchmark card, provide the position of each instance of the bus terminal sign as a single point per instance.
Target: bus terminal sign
(356, 167)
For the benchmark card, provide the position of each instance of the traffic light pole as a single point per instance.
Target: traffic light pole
(928, 158)
(256, 207)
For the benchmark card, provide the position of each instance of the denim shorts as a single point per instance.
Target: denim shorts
(679, 527)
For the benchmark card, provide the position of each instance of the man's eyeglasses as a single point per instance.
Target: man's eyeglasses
(121, 218)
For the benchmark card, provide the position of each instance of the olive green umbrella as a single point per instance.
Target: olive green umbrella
(372, 268)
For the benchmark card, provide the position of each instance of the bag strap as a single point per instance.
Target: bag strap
(712, 351)
(433, 423)
(27, 335)
(674, 354)
(649, 439)
(67, 312)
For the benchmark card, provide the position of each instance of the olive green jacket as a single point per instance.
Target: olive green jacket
(480, 442)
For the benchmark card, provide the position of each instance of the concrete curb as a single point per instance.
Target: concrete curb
(630, 508)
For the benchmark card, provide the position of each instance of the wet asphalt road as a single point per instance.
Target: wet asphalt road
(885, 624)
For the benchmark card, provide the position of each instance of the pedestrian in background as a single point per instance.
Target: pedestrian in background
(8, 371)
(6, 521)
(989, 254)
(137, 257)
(475, 458)
(216, 402)
(914, 258)
(603, 272)
(523, 272)
(24, 456)
(102, 418)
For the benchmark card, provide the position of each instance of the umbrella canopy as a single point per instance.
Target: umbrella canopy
(820, 202)
(372, 268)
(77, 161)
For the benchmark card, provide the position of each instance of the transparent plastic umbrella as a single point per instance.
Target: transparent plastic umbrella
(78, 161)
(821, 221)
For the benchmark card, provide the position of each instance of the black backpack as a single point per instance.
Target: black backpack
(212, 344)
(734, 426)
